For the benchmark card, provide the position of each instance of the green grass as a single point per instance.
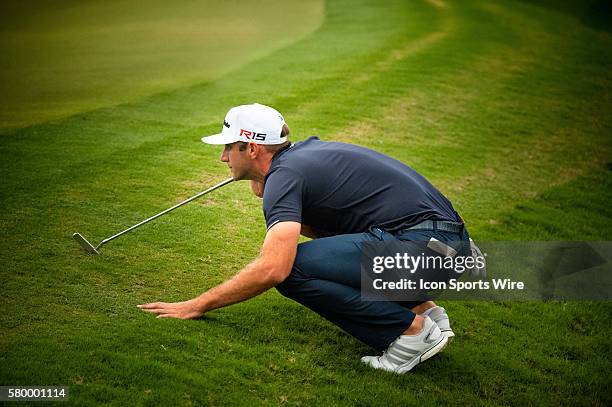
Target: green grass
(66, 57)
(504, 106)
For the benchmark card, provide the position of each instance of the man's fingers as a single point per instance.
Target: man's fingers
(155, 311)
(169, 310)
(155, 307)
(151, 305)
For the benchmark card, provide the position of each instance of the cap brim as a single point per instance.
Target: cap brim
(218, 139)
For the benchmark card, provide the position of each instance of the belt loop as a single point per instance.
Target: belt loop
(377, 232)
(435, 226)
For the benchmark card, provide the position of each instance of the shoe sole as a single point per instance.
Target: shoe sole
(450, 335)
(426, 355)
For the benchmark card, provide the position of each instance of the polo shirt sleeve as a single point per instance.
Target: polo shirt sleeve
(282, 200)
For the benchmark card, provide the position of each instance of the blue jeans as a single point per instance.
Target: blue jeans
(326, 277)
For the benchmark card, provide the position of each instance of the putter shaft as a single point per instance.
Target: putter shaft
(94, 250)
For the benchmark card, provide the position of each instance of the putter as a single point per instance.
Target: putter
(91, 249)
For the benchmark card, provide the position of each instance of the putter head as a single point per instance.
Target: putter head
(85, 244)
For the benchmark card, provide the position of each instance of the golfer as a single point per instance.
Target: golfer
(340, 195)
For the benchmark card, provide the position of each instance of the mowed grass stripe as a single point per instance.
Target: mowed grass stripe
(495, 156)
(407, 67)
(108, 132)
(63, 60)
(576, 208)
(568, 144)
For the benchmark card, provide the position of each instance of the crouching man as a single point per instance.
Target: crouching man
(340, 195)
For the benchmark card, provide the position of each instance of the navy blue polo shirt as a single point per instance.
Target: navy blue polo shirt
(338, 188)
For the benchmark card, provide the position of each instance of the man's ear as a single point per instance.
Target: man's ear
(254, 150)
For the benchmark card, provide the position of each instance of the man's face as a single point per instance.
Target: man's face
(238, 161)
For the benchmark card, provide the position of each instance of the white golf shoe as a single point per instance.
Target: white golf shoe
(407, 351)
(440, 317)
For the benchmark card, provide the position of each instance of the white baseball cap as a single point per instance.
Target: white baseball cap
(254, 123)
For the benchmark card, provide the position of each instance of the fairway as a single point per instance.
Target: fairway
(504, 106)
(71, 56)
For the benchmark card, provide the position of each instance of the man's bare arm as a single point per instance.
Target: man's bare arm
(269, 269)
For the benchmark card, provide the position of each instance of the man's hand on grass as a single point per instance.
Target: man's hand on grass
(269, 269)
(182, 310)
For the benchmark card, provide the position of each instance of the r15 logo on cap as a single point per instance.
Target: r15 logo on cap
(250, 135)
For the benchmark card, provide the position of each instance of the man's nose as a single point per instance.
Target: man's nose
(224, 156)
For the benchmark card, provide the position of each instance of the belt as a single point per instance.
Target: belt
(445, 226)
